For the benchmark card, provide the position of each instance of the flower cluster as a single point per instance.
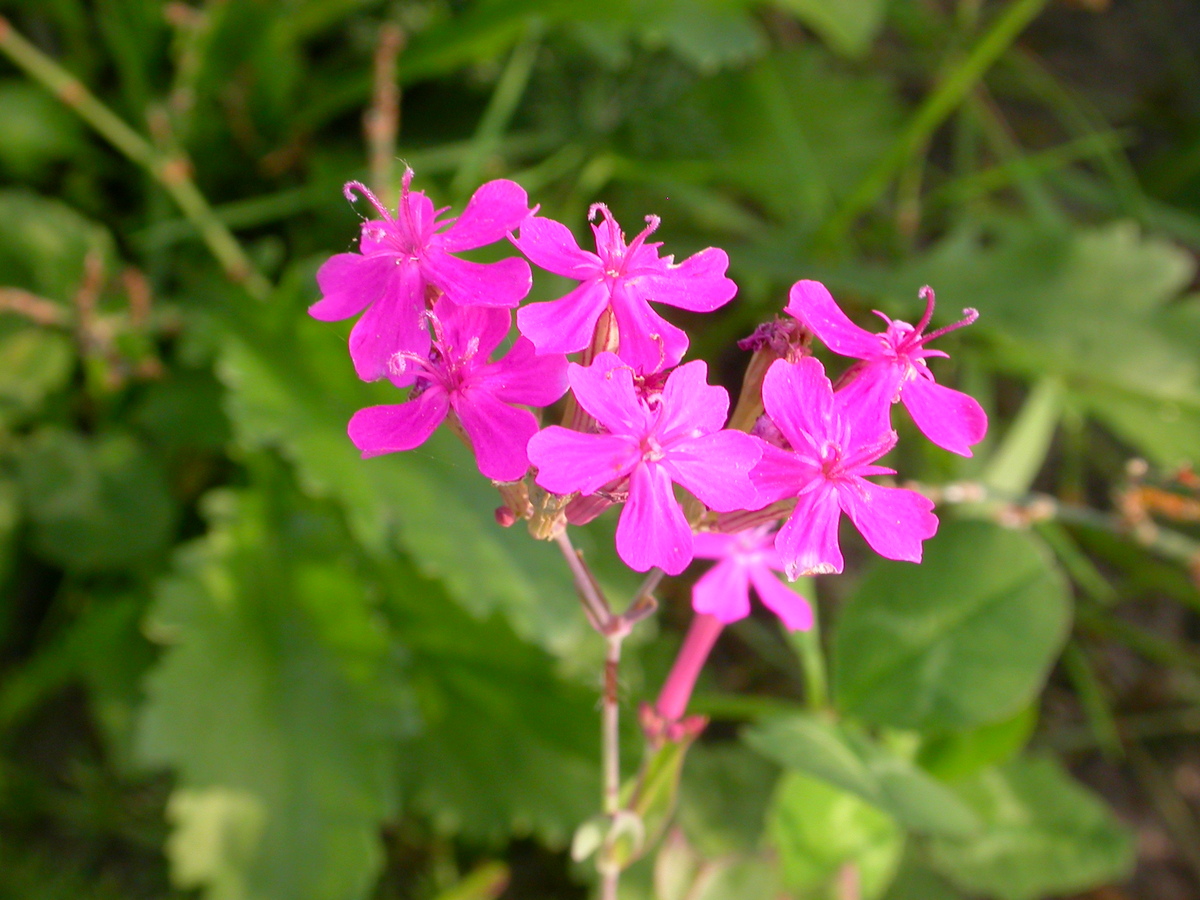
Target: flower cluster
(640, 424)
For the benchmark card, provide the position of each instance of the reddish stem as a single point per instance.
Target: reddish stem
(677, 690)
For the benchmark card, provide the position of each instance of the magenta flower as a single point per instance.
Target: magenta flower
(834, 441)
(402, 257)
(675, 436)
(893, 366)
(744, 559)
(623, 278)
(457, 376)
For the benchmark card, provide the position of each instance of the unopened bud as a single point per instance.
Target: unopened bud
(777, 339)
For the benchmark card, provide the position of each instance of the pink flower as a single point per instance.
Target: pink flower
(401, 257)
(746, 558)
(624, 278)
(457, 375)
(675, 436)
(834, 440)
(893, 366)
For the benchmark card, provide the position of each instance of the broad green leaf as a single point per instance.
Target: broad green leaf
(681, 872)
(1095, 308)
(964, 753)
(915, 881)
(37, 128)
(10, 512)
(277, 703)
(34, 363)
(724, 798)
(817, 829)
(791, 130)
(505, 747)
(46, 254)
(965, 638)
(848, 759)
(292, 387)
(1044, 835)
(96, 504)
(848, 26)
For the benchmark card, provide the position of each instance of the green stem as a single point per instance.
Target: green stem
(948, 94)
(171, 172)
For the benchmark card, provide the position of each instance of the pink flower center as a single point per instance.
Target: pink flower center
(652, 450)
(611, 248)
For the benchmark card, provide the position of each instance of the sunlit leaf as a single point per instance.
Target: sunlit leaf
(967, 637)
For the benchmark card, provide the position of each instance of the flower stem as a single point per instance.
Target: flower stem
(614, 628)
(677, 689)
(171, 171)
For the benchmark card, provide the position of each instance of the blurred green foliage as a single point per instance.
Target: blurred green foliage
(237, 660)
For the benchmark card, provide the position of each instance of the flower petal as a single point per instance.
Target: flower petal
(551, 246)
(524, 377)
(502, 283)
(648, 342)
(799, 399)
(494, 210)
(951, 419)
(393, 324)
(793, 609)
(350, 282)
(780, 474)
(566, 324)
(691, 406)
(894, 521)
(400, 426)
(865, 400)
(498, 433)
(713, 544)
(570, 461)
(808, 540)
(811, 303)
(473, 331)
(698, 283)
(716, 468)
(605, 389)
(723, 591)
(652, 530)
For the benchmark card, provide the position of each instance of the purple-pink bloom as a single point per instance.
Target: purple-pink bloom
(893, 366)
(456, 375)
(624, 278)
(673, 437)
(834, 441)
(744, 559)
(402, 256)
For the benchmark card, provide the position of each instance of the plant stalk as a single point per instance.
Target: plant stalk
(172, 172)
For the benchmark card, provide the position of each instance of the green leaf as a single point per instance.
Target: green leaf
(792, 130)
(848, 759)
(292, 387)
(46, 254)
(277, 703)
(1045, 835)
(724, 798)
(1095, 308)
(848, 26)
(34, 363)
(97, 504)
(817, 829)
(37, 129)
(965, 638)
(964, 753)
(506, 746)
(915, 881)
(10, 513)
